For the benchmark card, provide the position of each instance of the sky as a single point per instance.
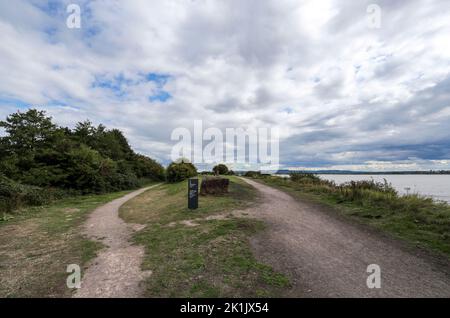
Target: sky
(344, 93)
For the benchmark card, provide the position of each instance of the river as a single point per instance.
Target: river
(435, 186)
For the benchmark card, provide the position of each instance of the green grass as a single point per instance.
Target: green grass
(212, 258)
(414, 219)
(38, 243)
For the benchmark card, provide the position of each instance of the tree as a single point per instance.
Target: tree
(145, 167)
(220, 169)
(91, 159)
(27, 131)
(109, 143)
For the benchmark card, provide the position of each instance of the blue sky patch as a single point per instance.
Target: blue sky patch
(8, 101)
(117, 84)
(161, 96)
(160, 79)
(52, 7)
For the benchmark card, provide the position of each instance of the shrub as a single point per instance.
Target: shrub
(365, 192)
(145, 167)
(14, 195)
(214, 185)
(177, 172)
(368, 191)
(220, 169)
(305, 178)
(123, 181)
(252, 174)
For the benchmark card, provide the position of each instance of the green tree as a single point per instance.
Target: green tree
(145, 167)
(36, 152)
(27, 131)
(220, 169)
(85, 170)
(109, 143)
(28, 137)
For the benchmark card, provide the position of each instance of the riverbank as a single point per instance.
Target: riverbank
(428, 185)
(419, 221)
(326, 255)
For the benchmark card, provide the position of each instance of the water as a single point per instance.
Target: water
(435, 186)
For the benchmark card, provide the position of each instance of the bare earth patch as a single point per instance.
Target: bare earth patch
(116, 271)
(71, 210)
(325, 256)
(216, 217)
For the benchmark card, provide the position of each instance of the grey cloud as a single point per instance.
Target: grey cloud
(237, 63)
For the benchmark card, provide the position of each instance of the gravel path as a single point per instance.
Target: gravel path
(116, 271)
(326, 256)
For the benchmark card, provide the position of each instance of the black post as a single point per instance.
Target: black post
(192, 194)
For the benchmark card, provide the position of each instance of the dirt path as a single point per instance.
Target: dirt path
(326, 256)
(116, 271)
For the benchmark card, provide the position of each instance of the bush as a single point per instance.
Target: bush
(177, 172)
(220, 169)
(305, 178)
(14, 195)
(123, 181)
(252, 174)
(214, 185)
(145, 167)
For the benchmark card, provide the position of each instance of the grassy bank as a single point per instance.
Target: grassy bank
(39, 242)
(418, 220)
(202, 253)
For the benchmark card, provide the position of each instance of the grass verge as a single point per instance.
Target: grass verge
(38, 243)
(206, 257)
(417, 220)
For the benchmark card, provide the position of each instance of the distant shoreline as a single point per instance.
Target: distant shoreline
(369, 173)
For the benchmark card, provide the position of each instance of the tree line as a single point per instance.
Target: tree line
(41, 161)
(89, 159)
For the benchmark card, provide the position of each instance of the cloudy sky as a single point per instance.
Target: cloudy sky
(345, 95)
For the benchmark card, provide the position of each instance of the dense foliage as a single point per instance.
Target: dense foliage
(252, 174)
(14, 195)
(220, 169)
(35, 152)
(179, 171)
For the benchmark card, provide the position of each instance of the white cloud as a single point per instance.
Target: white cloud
(342, 94)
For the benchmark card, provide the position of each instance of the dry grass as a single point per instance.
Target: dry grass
(38, 244)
